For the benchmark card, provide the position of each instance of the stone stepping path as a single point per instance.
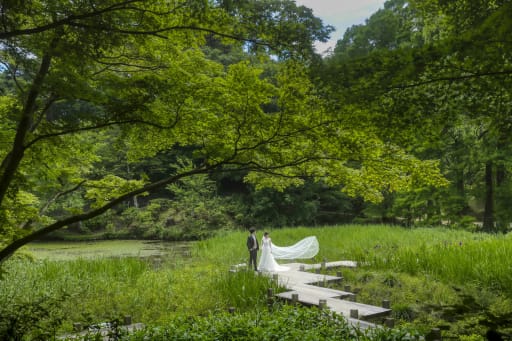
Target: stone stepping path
(103, 332)
(310, 289)
(327, 265)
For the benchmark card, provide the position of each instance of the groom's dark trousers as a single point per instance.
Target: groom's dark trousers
(253, 254)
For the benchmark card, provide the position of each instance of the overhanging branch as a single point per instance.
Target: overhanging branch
(67, 20)
(96, 127)
(15, 245)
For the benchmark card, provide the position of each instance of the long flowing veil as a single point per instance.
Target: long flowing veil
(305, 248)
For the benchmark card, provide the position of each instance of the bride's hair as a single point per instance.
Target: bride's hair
(265, 234)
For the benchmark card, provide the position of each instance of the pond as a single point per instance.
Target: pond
(65, 250)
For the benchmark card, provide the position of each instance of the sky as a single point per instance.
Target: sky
(341, 14)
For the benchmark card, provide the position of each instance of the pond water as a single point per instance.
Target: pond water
(57, 250)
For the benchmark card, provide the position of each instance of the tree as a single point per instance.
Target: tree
(131, 75)
(475, 70)
(441, 89)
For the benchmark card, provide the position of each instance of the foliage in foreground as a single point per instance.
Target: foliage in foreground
(44, 298)
(280, 323)
(423, 303)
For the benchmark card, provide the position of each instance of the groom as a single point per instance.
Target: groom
(253, 246)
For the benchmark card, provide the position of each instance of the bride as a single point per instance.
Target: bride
(306, 248)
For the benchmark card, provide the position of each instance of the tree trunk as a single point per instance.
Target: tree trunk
(128, 170)
(460, 186)
(13, 159)
(501, 174)
(502, 199)
(488, 223)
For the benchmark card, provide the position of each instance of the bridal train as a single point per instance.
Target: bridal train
(304, 249)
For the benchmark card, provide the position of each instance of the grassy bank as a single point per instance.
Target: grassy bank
(452, 256)
(455, 280)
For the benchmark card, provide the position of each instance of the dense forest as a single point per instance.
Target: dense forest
(174, 119)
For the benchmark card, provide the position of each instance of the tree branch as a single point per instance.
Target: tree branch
(452, 79)
(158, 32)
(15, 245)
(100, 126)
(73, 21)
(67, 20)
(43, 209)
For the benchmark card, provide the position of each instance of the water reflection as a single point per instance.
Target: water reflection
(159, 248)
(166, 252)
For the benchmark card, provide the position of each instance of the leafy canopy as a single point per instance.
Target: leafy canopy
(131, 77)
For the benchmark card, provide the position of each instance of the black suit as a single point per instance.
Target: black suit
(253, 246)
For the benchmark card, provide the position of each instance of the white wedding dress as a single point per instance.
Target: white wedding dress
(306, 248)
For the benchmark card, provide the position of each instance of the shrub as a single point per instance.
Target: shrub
(33, 320)
(281, 323)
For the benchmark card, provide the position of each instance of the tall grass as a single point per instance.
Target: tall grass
(453, 256)
(92, 291)
(97, 290)
(483, 262)
(243, 290)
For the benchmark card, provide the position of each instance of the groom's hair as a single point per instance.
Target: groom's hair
(252, 229)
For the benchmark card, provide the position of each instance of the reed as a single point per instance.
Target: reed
(452, 256)
(243, 290)
(95, 289)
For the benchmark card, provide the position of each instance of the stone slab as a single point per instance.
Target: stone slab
(344, 307)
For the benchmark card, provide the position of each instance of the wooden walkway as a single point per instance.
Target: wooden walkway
(311, 289)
